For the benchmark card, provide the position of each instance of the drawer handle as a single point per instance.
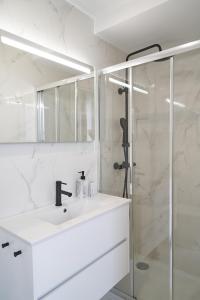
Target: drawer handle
(4, 245)
(16, 253)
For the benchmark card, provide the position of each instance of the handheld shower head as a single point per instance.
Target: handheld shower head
(125, 164)
(123, 124)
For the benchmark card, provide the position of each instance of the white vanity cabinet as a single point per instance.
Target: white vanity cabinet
(16, 270)
(82, 262)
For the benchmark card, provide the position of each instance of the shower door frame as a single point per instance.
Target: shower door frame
(169, 53)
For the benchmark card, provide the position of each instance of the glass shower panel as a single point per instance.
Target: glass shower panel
(151, 112)
(67, 113)
(112, 109)
(49, 115)
(187, 176)
(85, 110)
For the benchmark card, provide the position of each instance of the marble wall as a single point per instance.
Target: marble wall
(28, 172)
(57, 25)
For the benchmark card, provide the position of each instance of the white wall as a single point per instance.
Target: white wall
(28, 171)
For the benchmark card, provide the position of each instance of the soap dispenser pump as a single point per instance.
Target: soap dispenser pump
(82, 186)
(82, 175)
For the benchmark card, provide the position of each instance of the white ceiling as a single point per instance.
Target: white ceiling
(133, 24)
(107, 13)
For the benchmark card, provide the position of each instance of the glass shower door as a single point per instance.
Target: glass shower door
(150, 148)
(187, 176)
(164, 141)
(113, 89)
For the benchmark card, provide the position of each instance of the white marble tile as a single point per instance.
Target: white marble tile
(59, 26)
(27, 177)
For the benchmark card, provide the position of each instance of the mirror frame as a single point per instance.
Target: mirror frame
(54, 85)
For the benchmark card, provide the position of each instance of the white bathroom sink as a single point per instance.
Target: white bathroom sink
(44, 222)
(58, 215)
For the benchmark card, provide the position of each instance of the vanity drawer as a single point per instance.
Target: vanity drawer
(57, 259)
(97, 279)
(16, 275)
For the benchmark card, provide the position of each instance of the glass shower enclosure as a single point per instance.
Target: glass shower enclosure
(164, 174)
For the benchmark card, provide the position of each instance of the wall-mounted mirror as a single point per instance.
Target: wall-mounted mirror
(44, 96)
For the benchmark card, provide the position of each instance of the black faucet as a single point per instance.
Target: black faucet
(59, 192)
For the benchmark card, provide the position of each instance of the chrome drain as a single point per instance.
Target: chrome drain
(142, 266)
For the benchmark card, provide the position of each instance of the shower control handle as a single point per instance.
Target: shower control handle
(117, 166)
(124, 165)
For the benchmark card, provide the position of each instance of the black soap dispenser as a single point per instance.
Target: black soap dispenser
(82, 175)
(82, 186)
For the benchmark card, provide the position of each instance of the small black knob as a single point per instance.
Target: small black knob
(4, 245)
(117, 166)
(16, 253)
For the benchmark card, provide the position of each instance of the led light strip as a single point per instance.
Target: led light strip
(41, 53)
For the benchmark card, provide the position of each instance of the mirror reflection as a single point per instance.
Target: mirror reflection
(85, 109)
(67, 112)
(43, 101)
